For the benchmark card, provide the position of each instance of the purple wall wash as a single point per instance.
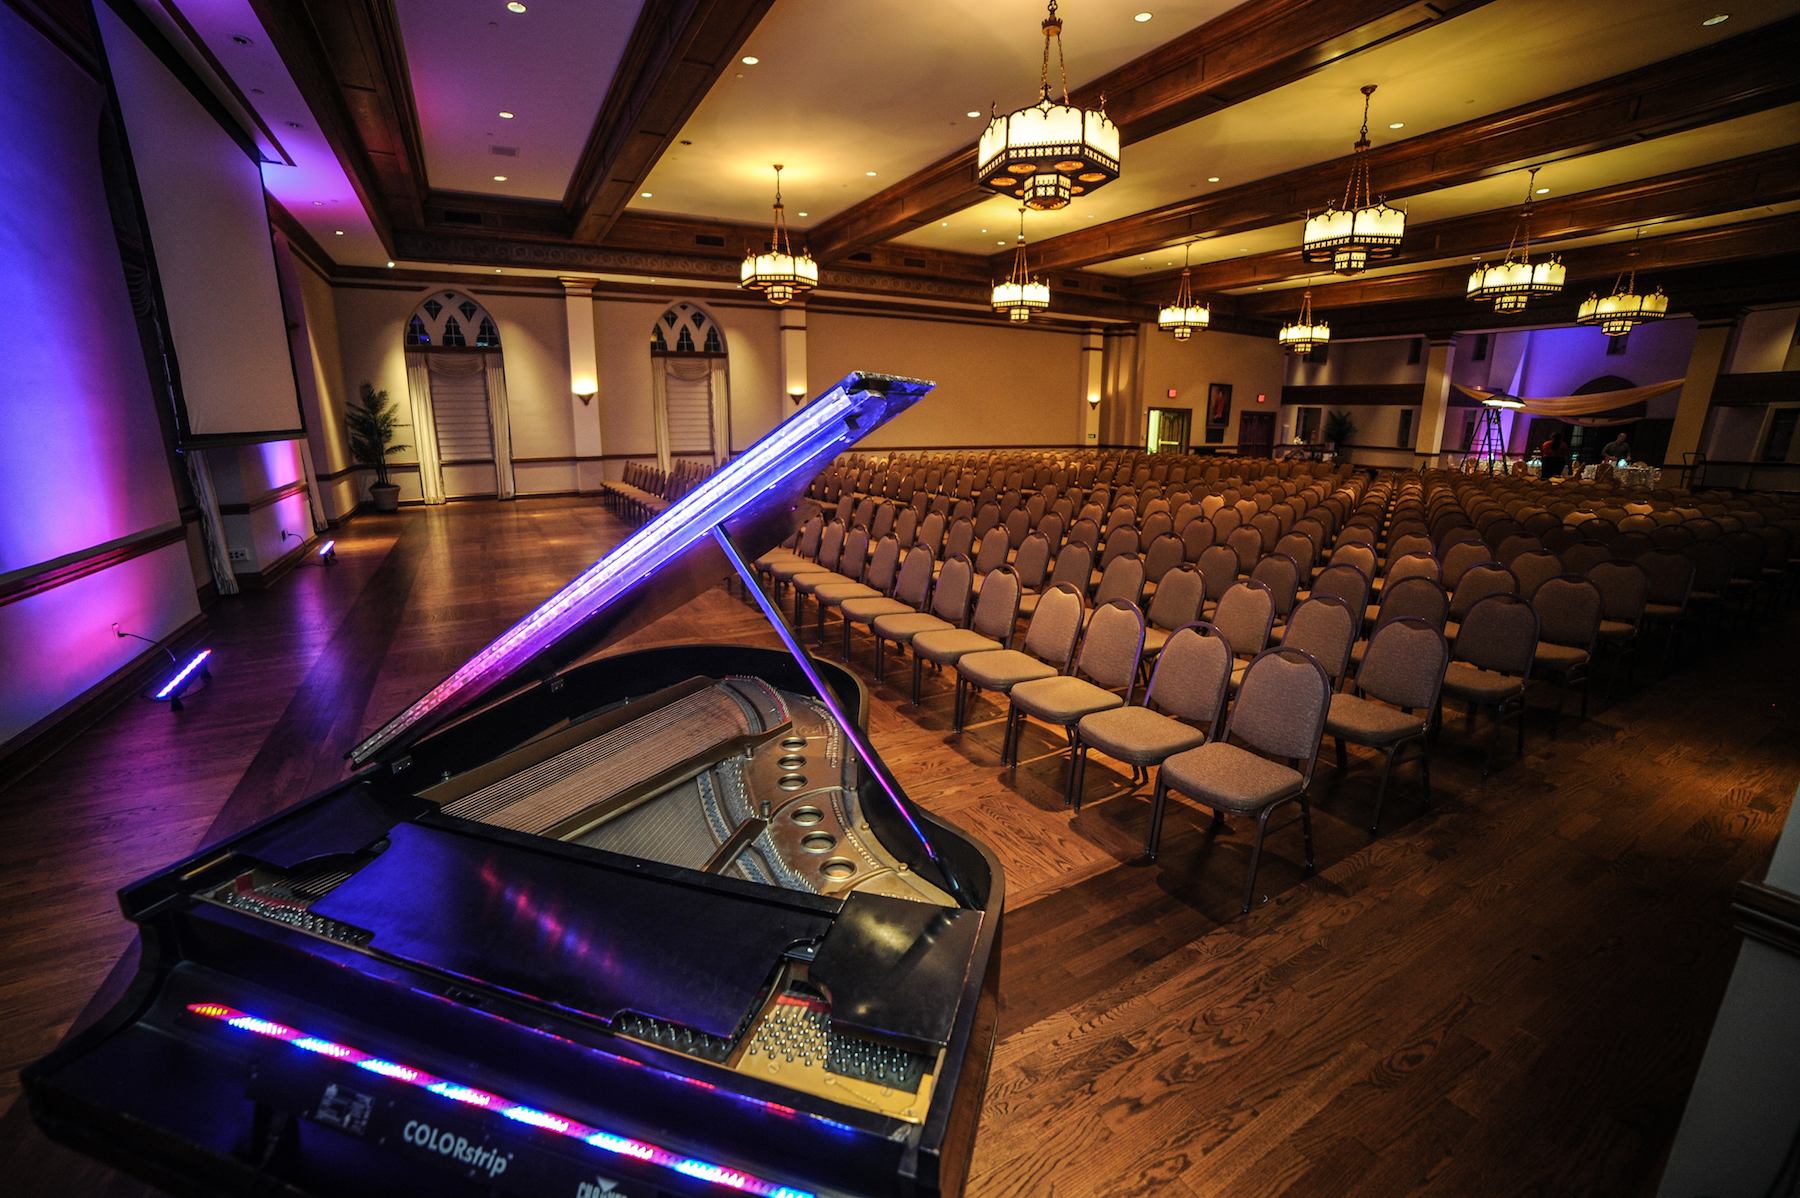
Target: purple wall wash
(1559, 361)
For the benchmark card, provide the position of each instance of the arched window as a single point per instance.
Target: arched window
(457, 384)
(689, 384)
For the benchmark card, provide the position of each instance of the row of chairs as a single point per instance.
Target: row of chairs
(645, 492)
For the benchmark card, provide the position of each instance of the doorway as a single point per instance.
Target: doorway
(1256, 434)
(1169, 430)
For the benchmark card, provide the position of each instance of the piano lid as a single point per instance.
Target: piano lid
(656, 569)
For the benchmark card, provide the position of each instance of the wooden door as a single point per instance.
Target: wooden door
(1256, 434)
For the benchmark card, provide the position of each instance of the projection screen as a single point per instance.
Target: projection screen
(215, 263)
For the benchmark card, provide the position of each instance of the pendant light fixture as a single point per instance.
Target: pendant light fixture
(779, 273)
(1624, 307)
(1021, 295)
(1364, 229)
(1305, 334)
(1513, 282)
(1046, 153)
(1184, 316)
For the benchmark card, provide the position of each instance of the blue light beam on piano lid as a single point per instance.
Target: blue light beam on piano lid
(606, 1141)
(807, 440)
(174, 684)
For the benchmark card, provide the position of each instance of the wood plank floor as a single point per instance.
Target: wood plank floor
(1505, 993)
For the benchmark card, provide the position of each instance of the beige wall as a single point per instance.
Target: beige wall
(996, 384)
(1251, 365)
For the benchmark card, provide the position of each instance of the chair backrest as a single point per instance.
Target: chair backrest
(1247, 543)
(865, 511)
(1226, 521)
(1185, 514)
(1500, 633)
(856, 553)
(1281, 574)
(1300, 548)
(1056, 625)
(1355, 553)
(1568, 608)
(1123, 539)
(831, 545)
(1533, 568)
(1404, 664)
(1281, 707)
(883, 523)
(1624, 589)
(1123, 578)
(1514, 545)
(1413, 565)
(1420, 598)
(1074, 565)
(906, 527)
(1087, 532)
(1244, 616)
(1156, 524)
(997, 611)
(1346, 582)
(1628, 545)
(1166, 552)
(884, 563)
(1051, 526)
(810, 537)
(1579, 559)
(1478, 582)
(1560, 538)
(988, 516)
(994, 547)
(1410, 543)
(913, 586)
(1325, 627)
(1112, 647)
(1032, 561)
(1018, 524)
(1670, 577)
(1197, 538)
(1459, 558)
(931, 532)
(1712, 565)
(1191, 676)
(1178, 598)
(960, 539)
(1219, 563)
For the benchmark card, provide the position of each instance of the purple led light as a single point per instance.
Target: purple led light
(326, 548)
(174, 684)
(545, 1120)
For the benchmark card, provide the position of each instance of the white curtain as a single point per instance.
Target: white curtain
(498, 419)
(424, 438)
(315, 500)
(721, 398)
(218, 557)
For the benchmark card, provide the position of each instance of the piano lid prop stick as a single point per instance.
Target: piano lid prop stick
(851, 732)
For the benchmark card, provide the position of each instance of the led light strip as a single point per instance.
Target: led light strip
(604, 1140)
(174, 683)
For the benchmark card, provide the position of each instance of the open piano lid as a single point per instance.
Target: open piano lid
(667, 562)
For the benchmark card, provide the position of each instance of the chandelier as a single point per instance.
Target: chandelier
(1364, 229)
(1511, 283)
(1021, 295)
(779, 273)
(1184, 316)
(1305, 334)
(1624, 307)
(1048, 152)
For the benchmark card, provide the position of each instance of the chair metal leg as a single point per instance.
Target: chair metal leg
(1159, 800)
(1262, 828)
(880, 653)
(1487, 763)
(1006, 740)
(918, 677)
(956, 708)
(1077, 770)
(1343, 756)
(1387, 766)
(1306, 829)
(846, 640)
(1425, 766)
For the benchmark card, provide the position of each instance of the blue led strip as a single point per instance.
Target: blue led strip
(720, 1175)
(173, 686)
(811, 436)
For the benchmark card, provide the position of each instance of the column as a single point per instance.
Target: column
(584, 383)
(1437, 401)
(791, 319)
(1704, 364)
(1093, 377)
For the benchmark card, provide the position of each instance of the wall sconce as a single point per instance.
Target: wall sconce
(1093, 401)
(586, 388)
(796, 396)
(586, 397)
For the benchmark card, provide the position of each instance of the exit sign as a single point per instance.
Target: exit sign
(1171, 393)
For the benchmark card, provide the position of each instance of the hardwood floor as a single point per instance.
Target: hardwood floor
(1506, 993)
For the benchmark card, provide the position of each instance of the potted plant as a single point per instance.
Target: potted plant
(1340, 429)
(372, 428)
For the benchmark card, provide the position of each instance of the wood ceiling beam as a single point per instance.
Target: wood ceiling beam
(677, 51)
(1591, 269)
(1255, 48)
(1731, 186)
(1747, 74)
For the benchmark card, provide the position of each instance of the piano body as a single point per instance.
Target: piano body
(646, 923)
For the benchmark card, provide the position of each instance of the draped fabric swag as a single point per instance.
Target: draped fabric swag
(1563, 407)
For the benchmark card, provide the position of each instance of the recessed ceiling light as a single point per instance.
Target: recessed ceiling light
(1243, 249)
(499, 178)
(497, 269)
(339, 232)
(506, 116)
(800, 214)
(256, 91)
(1543, 191)
(999, 243)
(390, 264)
(240, 39)
(515, 6)
(751, 60)
(974, 114)
(1090, 216)
(1718, 20)
(1398, 125)
(943, 224)
(1212, 178)
(645, 194)
(295, 125)
(871, 174)
(1142, 17)
(318, 203)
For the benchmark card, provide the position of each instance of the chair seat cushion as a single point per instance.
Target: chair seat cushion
(775, 557)
(903, 626)
(861, 611)
(1473, 684)
(1451, 628)
(835, 593)
(1028, 601)
(949, 645)
(1560, 657)
(796, 565)
(808, 583)
(1137, 735)
(1356, 652)
(1662, 611)
(1003, 670)
(1369, 723)
(1154, 640)
(1229, 778)
(1617, 631)
(1062, 699)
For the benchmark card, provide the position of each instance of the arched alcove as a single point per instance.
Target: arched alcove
(456, 381)
(689, 383)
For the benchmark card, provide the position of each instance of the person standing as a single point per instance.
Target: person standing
(1556, 456)
(1618, 450)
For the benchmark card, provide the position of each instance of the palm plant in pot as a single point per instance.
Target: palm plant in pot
(372, 427)
(1340, 429)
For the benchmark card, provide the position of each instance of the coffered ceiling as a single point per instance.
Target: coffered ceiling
(641, 139)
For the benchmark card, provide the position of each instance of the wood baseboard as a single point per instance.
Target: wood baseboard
(261, 580)
(38, 743)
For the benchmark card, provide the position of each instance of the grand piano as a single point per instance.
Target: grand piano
(580, 923)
